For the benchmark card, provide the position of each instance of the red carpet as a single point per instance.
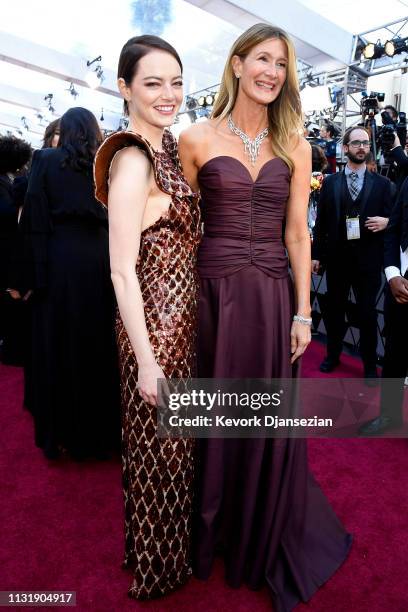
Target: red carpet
(62, 522)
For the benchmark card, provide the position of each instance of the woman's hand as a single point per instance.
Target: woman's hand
(147, 382)
(300, 337)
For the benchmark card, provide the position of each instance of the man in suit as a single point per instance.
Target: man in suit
(396, 319)
(353, 211)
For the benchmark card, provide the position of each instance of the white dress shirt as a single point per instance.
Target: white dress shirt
(393, 271)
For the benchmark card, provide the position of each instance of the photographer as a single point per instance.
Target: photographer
(392, 134)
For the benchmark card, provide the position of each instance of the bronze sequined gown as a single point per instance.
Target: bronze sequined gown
(158, 473)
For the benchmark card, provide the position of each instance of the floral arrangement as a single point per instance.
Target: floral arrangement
(316, 181)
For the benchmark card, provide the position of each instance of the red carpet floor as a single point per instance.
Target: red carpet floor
(61, 522)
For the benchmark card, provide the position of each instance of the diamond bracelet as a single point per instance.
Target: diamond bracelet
(302, 320)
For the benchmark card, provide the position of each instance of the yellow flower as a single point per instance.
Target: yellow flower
(314, 184)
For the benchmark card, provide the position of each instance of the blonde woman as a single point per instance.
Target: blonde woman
(257, 501)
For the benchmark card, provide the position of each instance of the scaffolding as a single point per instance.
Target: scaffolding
(344, 83)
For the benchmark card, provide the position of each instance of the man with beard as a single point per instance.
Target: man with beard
(353, 211)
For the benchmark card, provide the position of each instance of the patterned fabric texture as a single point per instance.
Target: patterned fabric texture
(158, 473)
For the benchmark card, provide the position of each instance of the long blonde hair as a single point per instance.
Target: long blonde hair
(284, 113)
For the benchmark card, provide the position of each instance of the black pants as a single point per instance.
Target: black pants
(395, 357)
(366, 285)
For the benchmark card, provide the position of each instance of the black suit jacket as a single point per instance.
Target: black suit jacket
(396, 235)
(397, 154)
(328, 233)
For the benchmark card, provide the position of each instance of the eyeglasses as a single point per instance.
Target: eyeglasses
(359, 143)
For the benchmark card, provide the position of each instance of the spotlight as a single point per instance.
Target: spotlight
(190, 104)
(373, 50)
(123, 124)
(389, 48)
(209, 100)
(48, 107)
(395, 46)
(72, 91)
(201, 101)
(95, 76)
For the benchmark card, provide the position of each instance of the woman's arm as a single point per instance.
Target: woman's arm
(130, 184)
(186, 148)
(297, 240)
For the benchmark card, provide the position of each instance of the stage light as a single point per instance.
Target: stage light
(395, 46)
(48, 108)
(191, 104)
(209, 100)
(123, 124)
(94, 77)
(389, 48)
(201, 101)
(72, 91)
(373, 50)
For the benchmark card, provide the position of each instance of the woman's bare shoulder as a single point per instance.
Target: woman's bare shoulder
(300, 150)
(198, 132)
(131, 158)
(298, 144)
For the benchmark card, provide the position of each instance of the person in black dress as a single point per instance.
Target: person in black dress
(14, 155)
(75, 392)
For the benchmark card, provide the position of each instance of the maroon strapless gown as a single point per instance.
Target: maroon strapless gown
(257, 502)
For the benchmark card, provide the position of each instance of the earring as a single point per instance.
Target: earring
(237, 76)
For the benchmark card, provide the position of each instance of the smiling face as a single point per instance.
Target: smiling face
(262, 73)
(155, 93)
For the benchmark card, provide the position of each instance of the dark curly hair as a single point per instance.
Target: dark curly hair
(80, 138)
(14, 154)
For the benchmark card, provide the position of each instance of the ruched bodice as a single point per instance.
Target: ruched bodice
(243, 218)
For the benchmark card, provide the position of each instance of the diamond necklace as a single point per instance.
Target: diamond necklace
(251, 147)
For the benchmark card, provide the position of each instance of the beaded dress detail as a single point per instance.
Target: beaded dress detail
(158, 473)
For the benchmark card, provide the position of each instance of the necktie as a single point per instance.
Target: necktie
(353, 185)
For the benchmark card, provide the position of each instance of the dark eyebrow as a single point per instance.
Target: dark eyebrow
(160, 79)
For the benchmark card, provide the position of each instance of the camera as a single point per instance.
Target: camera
(370, 103)
(386, 134)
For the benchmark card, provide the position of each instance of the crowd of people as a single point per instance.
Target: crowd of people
(137, 259)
